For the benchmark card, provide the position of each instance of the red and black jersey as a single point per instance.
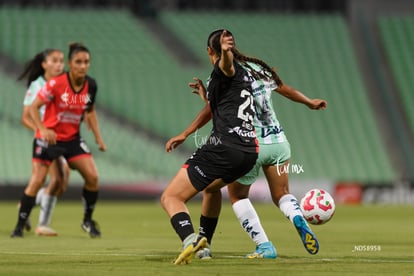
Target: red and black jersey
(232, 109)
(65, 106)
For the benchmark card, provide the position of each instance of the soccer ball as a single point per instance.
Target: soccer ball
(317, 206)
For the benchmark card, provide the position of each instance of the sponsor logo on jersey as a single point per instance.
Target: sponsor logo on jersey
(69, 117)
(65, 97)
(242, 132)
(76, 99)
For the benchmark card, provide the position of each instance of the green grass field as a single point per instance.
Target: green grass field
(137, 239)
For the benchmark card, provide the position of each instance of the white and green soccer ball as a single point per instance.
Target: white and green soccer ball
(317, 206)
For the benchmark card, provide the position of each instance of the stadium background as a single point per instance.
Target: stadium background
(358, 55)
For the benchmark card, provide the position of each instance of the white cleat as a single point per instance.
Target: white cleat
(45, 231)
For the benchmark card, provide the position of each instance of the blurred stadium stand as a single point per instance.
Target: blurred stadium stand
(143, 64)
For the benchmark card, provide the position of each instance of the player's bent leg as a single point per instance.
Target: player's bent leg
(173, 200)
(250, 221)
(48, 201)
(27, 202)
(177, 193)
(289, 205)
(64, 172)
(210, 212)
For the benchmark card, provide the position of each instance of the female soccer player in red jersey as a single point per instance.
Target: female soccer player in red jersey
(43, 67)
(68, 98)
(231, 150)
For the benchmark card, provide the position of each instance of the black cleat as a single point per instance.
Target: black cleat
(91, 227)
(17, 233)
(28, 225)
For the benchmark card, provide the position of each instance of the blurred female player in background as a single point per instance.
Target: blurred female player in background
(44, 66)
(67, 99)
(231, 150)
(274, 155)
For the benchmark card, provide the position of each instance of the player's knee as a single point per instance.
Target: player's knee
(168, 200)
(93, 178)
(36, 181)
(54, 185)
(164, 200)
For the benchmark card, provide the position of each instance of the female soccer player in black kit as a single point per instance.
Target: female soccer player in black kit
(231, 150)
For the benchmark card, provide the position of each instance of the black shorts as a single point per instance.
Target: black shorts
(212, 162)
(70, 150)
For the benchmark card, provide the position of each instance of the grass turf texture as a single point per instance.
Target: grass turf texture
(137, 239)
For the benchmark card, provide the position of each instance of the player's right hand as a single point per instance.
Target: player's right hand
(198, 88)
(49, 135)
(226, 41)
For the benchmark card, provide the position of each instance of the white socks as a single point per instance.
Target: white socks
(39, 196)
(47, 204)
(249, 220)
(289, 206)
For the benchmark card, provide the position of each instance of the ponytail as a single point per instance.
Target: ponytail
(268, 73)
(34, 68)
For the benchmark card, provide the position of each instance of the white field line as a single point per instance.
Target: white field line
(51, 253)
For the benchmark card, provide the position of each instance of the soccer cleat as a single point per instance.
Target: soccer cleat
(91, 227)
(264, 250)
(17, 233)
(45, 231)
(204, 253)
(28, 225)
(189, 248)
(309, 239)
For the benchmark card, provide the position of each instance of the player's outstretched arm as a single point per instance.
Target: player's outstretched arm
(297, 96)
(226, 61)
(202, 118)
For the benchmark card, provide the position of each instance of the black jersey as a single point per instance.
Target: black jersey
(232, 110)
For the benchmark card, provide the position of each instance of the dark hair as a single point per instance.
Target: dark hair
(213, 40)
(214, 43)
(34, 68)
(269, 72)
(76, 47)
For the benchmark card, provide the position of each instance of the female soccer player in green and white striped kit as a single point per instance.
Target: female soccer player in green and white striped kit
(44, 66)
